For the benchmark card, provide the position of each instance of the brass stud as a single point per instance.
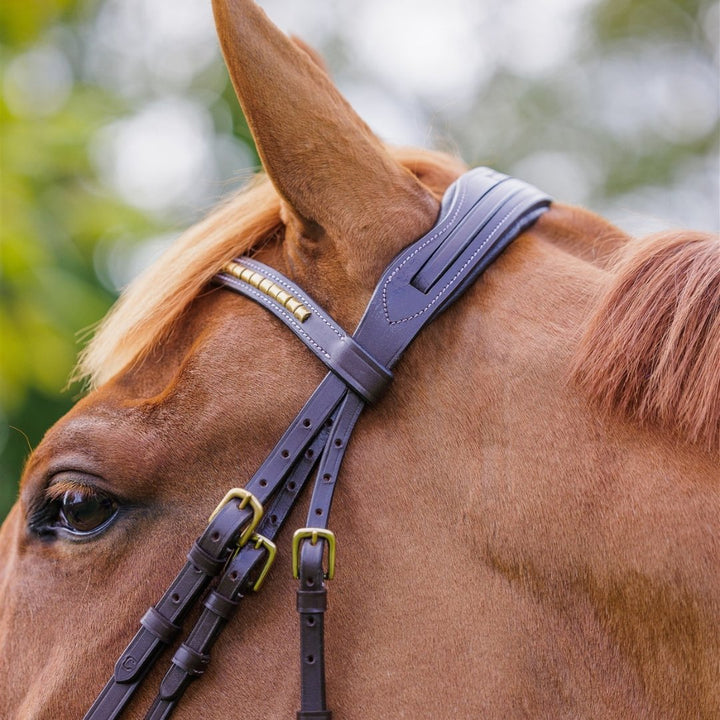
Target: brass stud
(269, 288)
(292, 304)
(232, 268)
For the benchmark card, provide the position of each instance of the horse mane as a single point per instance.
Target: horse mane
(153, 302)
(652, 349)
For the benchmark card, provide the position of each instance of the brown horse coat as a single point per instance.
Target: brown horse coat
(528, 522)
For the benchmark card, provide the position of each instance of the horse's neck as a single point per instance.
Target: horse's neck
(500, 483)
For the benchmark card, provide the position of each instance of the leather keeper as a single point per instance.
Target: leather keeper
(220, 605)
(156, 623)
(312, 601)
(204, 561)
(190, 661)
(314, 715)
(360, 370)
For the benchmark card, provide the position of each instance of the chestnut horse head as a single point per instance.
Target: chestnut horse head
(528, 521)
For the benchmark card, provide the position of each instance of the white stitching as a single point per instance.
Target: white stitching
(267, 302)
(452, 280)
(448, 224)
(294, 290)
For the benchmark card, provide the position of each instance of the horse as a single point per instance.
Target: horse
(528, 520)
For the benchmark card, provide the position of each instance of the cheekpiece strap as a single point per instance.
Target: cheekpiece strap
(481, 213)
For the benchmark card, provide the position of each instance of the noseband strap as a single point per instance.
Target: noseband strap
(481, 213)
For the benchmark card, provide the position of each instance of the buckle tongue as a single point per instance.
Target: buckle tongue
(271, 548)
(313, 534)
(246, 498)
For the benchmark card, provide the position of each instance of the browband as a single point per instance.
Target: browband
(481, 213)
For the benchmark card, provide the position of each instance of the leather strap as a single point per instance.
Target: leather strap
(159, 623)
(320, 333)
(481, 214)
(237, 580)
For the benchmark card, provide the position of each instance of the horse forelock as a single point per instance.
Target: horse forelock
(153, 302)
(650, 351)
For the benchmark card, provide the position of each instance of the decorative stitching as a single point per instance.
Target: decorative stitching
(448, 224)
(453, 279)
(289, 318)
(267, 302)
(294, 290)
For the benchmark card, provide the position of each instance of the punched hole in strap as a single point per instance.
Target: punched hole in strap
(156, 623)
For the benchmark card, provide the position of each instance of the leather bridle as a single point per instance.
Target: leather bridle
(482, 212)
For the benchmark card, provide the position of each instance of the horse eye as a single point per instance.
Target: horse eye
(83, 511)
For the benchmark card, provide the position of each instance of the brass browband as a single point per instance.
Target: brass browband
(269, 288)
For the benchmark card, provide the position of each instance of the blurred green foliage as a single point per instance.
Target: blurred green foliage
(53, 213)
(57, 211)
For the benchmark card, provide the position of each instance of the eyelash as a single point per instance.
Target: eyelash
(51, 518)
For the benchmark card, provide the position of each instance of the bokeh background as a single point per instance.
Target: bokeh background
(120, 128)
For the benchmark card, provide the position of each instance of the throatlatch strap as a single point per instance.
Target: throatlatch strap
(481, 213)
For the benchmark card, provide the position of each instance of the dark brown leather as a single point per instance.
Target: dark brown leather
(481, 214)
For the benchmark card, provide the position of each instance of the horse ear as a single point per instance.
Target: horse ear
(340, 187)
(315, 56)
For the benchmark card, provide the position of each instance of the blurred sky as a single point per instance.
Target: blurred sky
(457, 74)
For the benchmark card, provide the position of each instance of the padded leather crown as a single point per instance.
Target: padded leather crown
(481, 213)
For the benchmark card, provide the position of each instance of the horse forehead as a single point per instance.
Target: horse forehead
(228, 363)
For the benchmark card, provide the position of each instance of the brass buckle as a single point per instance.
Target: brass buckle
(246, 498)
(313, 534)
(271, 548)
